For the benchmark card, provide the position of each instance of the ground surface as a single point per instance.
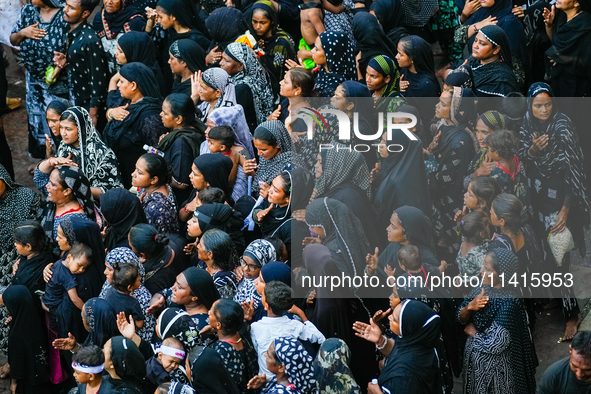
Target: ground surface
(549, 327)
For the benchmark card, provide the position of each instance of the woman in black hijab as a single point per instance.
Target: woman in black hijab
(26, 342)
(117, 18)
(570, 59)
(390, 14)
(225, 25)
(211, 170)
(138, 47)
(208, 373)
(121, 210)
(186, 58)
(453, 148)
(302, 187)
(222, 217)
(401, 180)
(371, 40)
(417, 68)
(138, 122)
(413, 361)
(125, 365)
(334, 312)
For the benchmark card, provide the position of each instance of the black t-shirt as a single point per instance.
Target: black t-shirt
(560, 379)
(125, 303)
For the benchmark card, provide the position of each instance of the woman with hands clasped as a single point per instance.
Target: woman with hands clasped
(499, 341)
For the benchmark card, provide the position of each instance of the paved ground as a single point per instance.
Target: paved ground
(549, 327)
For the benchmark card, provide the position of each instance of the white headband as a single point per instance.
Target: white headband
(88, 368)
(172, 352)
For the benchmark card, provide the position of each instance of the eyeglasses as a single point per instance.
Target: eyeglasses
(249, 267)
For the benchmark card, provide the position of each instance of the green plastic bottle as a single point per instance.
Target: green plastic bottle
(50, 76)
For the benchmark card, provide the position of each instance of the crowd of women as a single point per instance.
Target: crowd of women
(180, 194)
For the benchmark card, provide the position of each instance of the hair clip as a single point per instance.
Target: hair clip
(462, 222)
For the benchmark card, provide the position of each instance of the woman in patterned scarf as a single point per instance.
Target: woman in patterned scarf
(258, 253)
(252, 83)
(215, 90)
(97, 161)
(499, 351)
(333, 55)
(292, 365)
(331, 369)
(275, 152)
(553, 159)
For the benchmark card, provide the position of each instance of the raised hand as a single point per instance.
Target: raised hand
(213, 57)
(68, 343)
(275, 114)
(126, 328)
(372, 260)
(370, 332)
(374, 172)
(539, 143)
(479, 302)
(248, 309)
(549, 15)
(156, 303)
(403, 84)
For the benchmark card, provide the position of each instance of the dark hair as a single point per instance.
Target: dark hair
(410, 256)
(31, 232)
(278, 297)
(472, 226)
(211, 194)
(273, 21)
(229, 314)
(276, 360)
(81, 250)
(265, 136)
(157, 166)
(182, 105)
(503, 142)
(173, 342)
(69, 116)
(146, 239)
(278, 244)
(301, 78)
(582, 344)
(286, 179)
(406, 43)
(221, 246)
(124, 275)
(57, 106)
(224, 134)
(92, 356)
(508, 207)
(88, 5)
(514, 106)
(485, 189)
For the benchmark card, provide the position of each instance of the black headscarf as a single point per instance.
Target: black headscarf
(424, 83)
(176, 323)
(302, 186)
(570, 44)
(202, 286)
(129, 365)
(418, 13)
(222, 217)
(371, 39)
(343, 231)
(276, 270)
(340, 59)
(402, 180)
(30, 272)
(413, 364)
(139, 47)
(495, 78)
(79, 230)
(101, 319)
(26, 340)
(208, 373)
(225, 25)
(113, 23)
(216, 169)
(190, 52)
(143, 76)
(390, 14)
(122, 210)
(186, 14)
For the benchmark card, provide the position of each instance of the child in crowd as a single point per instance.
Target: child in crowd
(126, 278)
(88, 364)
(312, 24)
(275, 209)
(168, 358)
(223, 140)
(479, 197)
(31, 244)
(409, 260)
(61, 297)
(277, 301)
(209, 195)
(475, 232)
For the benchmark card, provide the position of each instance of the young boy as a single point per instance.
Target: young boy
(277, 301)
(221, 139)
(88, 365)
(61, 297)
(416, 275)
(126, 278)
(169, 357)
(312, 24)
